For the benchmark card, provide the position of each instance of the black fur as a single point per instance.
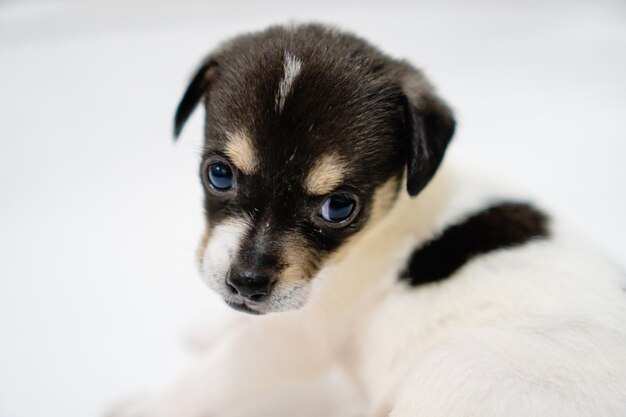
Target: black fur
(196, 89)
(428, 132)
(378, 114)
(500, 226)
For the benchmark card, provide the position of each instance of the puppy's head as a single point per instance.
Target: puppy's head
(308, 135)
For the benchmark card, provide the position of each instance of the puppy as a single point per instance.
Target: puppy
(438, 295)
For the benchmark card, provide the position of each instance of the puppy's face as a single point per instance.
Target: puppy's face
(308, 134)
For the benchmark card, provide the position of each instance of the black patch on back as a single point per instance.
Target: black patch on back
(500, 226)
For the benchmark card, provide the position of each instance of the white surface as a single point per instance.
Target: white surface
(100, 213)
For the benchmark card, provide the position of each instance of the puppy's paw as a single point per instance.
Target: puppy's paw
(153, 406)
(150, 406)
(143, 406)
(138, 406)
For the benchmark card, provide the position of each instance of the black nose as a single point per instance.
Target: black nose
(248, 284)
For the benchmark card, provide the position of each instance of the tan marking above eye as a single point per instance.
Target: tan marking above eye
(241, 151)
(327, 173)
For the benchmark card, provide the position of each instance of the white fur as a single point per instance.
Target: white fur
(220, 251)
(291, 69)
(533, 331)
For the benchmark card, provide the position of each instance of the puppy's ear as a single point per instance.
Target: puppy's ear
(198, 86)
(429, 125)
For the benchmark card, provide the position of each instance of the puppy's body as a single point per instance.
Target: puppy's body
(533, 330)
(462, 301)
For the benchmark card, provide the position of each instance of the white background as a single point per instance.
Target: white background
(100, 212)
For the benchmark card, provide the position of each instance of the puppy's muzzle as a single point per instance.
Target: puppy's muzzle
(249, 283)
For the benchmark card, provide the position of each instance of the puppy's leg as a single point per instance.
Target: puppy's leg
(455, 380)
(270, 354)
(531, 370)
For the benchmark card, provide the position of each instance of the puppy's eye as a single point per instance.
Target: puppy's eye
(338, 208)
(220, 176)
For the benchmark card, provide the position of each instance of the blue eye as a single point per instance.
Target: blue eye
(337, 208)
(221, 176)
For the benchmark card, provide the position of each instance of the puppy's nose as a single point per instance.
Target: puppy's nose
(249, 284)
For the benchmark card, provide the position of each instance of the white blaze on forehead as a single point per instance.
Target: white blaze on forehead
(327, 173)
(222, 249)
(291, 69)
(241, 152)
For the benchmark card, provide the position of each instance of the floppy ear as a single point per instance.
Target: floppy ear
(198, 86)
(429, 126)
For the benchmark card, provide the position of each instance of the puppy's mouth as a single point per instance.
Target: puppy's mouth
(243, 308)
